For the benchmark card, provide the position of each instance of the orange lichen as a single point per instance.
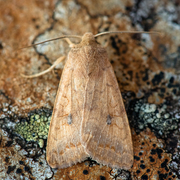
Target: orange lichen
(150, 160)
(83, 171)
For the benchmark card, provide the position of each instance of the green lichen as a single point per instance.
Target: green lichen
(35, 128)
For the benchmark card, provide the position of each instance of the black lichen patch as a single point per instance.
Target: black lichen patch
(7, 159)
(136, 158)
(157, 79)
(165, 164)
(151, 159)
(142, 166)
(21, 162)
(146, 75)
(9, 143)
(10, 169)
(157, 151)
(27, 169)
(102, 178)
(85, 172)
(138, 171)
(114, 45)
(19, 171)
(144, 177)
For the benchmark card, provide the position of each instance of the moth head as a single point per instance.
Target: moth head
(88, 39)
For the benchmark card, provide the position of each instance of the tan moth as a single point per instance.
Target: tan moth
(89, 118)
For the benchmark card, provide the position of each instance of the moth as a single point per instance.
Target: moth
(89, 118)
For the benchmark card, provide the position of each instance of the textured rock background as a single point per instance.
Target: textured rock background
(147, 68)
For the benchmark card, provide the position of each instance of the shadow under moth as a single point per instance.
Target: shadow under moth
(89, 118)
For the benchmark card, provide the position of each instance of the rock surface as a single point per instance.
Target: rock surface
(147, 67)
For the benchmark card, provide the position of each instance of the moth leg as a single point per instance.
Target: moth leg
(70, 43)
(47, 70)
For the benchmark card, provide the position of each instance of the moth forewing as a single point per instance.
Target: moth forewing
(89, 117)
(64, 147)
(105, 129)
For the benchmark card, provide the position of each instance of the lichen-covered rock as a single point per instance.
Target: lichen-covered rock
(85, 170)
(150, 159)
(18, 162)
(147, 67)
(161, 118)
(35, 128)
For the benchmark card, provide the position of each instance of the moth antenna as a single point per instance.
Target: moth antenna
(133, 32)
(47, 70)
(53, 39)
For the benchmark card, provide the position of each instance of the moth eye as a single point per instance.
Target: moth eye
(108, 121)
(69, 120)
